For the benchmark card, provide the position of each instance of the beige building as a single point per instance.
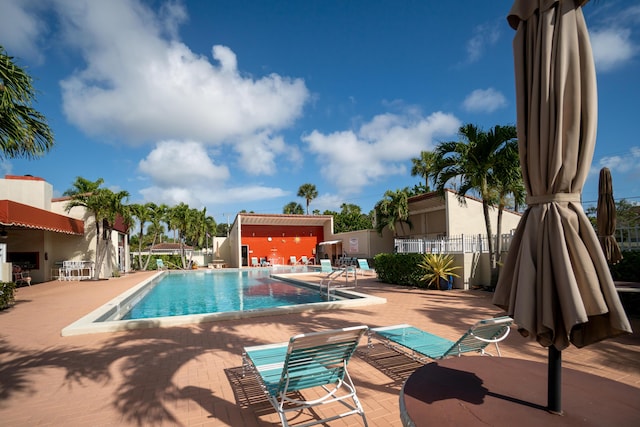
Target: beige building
(445, 225)
(38, 234)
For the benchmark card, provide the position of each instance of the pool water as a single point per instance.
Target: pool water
(178, 294)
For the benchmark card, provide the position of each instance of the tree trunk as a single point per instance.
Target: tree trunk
(499, 235)
(96, 267)
(487, 222)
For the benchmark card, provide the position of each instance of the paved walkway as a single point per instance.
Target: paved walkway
(191, 375)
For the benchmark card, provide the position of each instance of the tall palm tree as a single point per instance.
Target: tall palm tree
(308, 192)
(179, 218)
(424, 166)
(143, 214)
(392, 209)
(472, 161)
(105, 206)
(24, 132)
(508, 182)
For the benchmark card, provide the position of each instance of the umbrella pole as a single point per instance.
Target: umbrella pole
(554, 378)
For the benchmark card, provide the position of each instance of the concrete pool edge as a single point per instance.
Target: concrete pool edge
(87, 324)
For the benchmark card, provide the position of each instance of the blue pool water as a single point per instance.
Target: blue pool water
(179, 294)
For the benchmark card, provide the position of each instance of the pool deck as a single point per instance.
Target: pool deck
(191, 375)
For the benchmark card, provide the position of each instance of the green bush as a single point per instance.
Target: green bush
(399, 269)
(7, 294)
(627, 270)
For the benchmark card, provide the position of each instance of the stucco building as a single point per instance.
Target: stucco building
(37, 233)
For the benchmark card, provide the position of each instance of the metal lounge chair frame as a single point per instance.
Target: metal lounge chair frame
(363, 267)
(315, 360)
(421, 345)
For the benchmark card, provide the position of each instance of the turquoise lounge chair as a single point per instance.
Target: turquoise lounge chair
(422, 345)
(160, 264)
(363, 266)
(325, 266)
(254, 261)
(308, 361)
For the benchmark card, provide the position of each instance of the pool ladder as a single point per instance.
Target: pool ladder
(343, 271)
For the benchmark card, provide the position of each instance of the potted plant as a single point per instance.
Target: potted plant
(437, 269)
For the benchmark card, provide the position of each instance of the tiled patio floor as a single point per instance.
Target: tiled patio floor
(191, 375)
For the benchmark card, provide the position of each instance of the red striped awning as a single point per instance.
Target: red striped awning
(16, 214)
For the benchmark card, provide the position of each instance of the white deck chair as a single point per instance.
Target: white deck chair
(308, 361)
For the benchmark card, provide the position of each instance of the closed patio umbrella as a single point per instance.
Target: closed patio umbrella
(555, 282)
(606, 218)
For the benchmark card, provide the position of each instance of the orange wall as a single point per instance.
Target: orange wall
(286, 241)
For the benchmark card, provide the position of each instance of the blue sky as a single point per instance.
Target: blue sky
(233, 105)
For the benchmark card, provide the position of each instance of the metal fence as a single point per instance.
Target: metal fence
(454, 245)
(627, 237)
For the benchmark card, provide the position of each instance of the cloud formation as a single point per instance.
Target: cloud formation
(353, 159)
(483, 35)
(612, 48)
(621, 164)
(141, 86)
(484, 101)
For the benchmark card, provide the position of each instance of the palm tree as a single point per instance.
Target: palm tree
(472, 162)
(178, 217)
(424, 166)
(144, 213)
(23, 130)
(508, 182)
(308, 192)
(105, 206)
(392, 209)
(293, 208)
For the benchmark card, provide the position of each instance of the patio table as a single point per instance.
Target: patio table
(500, 391)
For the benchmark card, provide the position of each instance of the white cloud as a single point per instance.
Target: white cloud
(141, 86)
(351, 160)
(483, 35)
(207, 193)
(20, 29)
(183, 171)
(484, 100)
(176, 163)
(621, 164)
(259, 152)
(612, 48)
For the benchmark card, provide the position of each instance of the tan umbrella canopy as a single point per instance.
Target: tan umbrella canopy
(555, 282)
(606, 218)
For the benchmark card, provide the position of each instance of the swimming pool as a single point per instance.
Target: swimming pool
(207, 295)
(185, 293)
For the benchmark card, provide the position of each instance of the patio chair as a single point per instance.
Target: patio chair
(325, 266)
(254, 261)
(363, 267)
(21, 277)
(308, 361)
(304, 260)
(293, 260)
(421, 345)
(160, 264)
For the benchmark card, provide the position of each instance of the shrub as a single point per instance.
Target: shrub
(7, 294)
(399, 269)
(627, 269)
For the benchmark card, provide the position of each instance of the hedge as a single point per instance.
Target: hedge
(399, 269)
